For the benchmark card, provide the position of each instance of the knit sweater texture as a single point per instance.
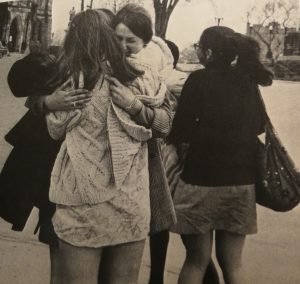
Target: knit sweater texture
(102, 143)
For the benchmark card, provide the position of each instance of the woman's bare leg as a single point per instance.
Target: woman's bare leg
(56, 265)
(229, 248)
(123, 263)
(198, 256)
(79, 264)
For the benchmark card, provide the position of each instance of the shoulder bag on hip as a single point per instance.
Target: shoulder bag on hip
(278, 182)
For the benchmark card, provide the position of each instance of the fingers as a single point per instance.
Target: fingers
(78, 92)
(81, 97)
(64, 85)
(114, 81)
(114, 89)
(82, 102)
(78, 104)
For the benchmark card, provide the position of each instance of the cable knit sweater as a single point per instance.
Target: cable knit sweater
(103, 146)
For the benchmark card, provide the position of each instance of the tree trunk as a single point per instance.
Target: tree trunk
(163, 10)
(33, 15)
(46, 11)
(82, 5)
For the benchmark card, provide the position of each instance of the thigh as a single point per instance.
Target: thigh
(198, 247)
(80, 264)
(229, 247)
(56, 264)
(122, 262)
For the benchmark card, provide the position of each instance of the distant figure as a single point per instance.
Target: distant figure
(3, 50)
(10, 44)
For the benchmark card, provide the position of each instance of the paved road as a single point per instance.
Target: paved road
(271, 257)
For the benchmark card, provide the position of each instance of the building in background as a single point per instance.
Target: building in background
(292, 44)
(276, 41)
(24, 21)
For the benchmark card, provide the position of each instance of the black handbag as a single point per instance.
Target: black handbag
(278, 182)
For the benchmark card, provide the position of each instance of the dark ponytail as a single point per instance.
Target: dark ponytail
(228, 45)
(248, 60)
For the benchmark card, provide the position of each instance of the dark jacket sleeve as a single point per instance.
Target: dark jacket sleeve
(28, 77)
(183, 120)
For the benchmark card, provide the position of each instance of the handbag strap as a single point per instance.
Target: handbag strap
(269, 124)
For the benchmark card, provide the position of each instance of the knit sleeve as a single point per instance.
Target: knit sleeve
(159, 120)
(148, 88)
(60, 122)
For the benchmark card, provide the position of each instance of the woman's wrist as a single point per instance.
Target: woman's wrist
(135, 107)
(45, 104)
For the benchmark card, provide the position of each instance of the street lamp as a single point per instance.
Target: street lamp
(218, 20)
(269, 54)
(250, 28)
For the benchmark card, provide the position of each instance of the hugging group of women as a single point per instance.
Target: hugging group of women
(116, 147)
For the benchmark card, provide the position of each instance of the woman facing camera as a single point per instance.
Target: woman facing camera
(133, 26)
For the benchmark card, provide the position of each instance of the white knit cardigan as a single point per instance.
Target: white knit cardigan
(79, 186)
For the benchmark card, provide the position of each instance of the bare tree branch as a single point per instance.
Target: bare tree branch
(276, 14)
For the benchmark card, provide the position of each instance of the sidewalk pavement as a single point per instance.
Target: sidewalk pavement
(24, 260)
(270, 257)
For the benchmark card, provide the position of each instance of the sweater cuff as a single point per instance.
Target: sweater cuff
(135, 108)
(144, 117)
(161, 122)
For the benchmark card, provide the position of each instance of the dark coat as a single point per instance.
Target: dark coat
(25, 177)
(220, 116)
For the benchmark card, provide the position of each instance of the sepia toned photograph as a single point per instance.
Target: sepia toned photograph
(149, 142)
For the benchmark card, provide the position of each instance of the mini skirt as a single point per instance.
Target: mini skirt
(119, 220)
(200, 209)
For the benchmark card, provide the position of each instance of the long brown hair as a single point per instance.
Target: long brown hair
(89, 42)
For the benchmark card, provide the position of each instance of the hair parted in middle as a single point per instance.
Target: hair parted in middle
(137, 19)
(89, 42)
